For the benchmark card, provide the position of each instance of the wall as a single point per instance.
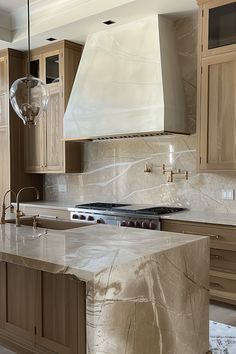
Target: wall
(114, 170)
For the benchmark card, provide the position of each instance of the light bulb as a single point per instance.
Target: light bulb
(29, 98)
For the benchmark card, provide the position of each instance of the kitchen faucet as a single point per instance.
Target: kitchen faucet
(4, 208)
(19, 213)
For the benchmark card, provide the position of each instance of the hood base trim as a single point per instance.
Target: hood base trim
(127, 136)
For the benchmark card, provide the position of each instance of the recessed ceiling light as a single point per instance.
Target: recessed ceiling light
(51, 39)
(109, 22)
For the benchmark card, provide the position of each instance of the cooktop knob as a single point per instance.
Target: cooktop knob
(123, 223)
(90, 218)
(100, 221)
(82, 217)
(137, 224)
(75, 216)
(144, 225)
(152, 226)
(130, 223)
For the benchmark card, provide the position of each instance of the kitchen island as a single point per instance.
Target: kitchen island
(130, 291)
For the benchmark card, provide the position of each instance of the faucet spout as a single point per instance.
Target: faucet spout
(4, 208)
(18, 212)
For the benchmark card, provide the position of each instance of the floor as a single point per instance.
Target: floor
(218, 312)
(223, 313)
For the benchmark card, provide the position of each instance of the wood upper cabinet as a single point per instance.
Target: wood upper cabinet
(218, 26)
(217, 86)
(56, 65)
(12, 175)
(218, 113)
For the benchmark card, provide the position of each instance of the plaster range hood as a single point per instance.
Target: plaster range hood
(128, 84)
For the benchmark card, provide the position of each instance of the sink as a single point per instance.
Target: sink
(46, 223)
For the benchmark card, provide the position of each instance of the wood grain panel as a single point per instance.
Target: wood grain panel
(57, 315)
(218, 113)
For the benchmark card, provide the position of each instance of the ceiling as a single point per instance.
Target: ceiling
(75, 19)
(11, 5)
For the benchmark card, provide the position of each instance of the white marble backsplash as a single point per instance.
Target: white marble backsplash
(114, 170)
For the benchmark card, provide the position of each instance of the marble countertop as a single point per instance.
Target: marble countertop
(203, 217)
(46, 204)
(85, 251)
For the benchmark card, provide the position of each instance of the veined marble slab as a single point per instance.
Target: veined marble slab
(147, 291)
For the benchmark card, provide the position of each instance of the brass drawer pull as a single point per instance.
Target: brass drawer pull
(216, 237)
(216, 285)
(217, 256)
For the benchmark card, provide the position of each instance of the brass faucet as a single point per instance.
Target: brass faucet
(4, 208)
(19, 213)
(170, 174)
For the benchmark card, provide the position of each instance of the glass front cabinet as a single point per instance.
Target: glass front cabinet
(219, 27)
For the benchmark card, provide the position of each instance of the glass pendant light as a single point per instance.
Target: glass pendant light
(29, 95)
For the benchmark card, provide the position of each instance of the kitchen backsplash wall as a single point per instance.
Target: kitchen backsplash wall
(114, 170)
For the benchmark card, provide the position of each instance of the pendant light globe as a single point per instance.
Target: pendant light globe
(29, 95)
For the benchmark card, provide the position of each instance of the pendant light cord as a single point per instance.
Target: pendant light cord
(28, 12)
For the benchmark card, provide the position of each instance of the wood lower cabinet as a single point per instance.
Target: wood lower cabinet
(42, 312)
(222, 255)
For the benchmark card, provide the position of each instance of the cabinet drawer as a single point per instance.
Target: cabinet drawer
(223, 260)
(223, 286)
(221, 237)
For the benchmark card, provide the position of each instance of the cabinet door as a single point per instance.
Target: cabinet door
(3, 92)
(57, 314)
(219, 27)
(18, 301)
(34, 147)
(5, 162)
(54, 131)
(218, 113)
(52, 67)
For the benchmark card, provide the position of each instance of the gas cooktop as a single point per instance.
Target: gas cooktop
(127, 208)
(100, 206)
(129, 215)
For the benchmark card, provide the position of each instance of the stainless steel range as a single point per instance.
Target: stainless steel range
(137, 216)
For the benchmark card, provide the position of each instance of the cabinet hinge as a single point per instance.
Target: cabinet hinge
(35, 331)
(202, 13)
(200, 159)
(201, 70)
(202, 47)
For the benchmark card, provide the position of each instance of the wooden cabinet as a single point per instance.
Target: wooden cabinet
(222, 255)
(12, 131)
(46, 151)
(42, 312)
(217, 86)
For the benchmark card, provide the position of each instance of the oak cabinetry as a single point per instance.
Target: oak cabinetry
(222, 255)
(46, 152)
(12, 131)
(41, 312)
(217, 86)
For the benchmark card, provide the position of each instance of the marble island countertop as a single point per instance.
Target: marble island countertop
(84, 251)
(146, 291)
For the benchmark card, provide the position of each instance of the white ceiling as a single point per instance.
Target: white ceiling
(75, 19)
(12, 5)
